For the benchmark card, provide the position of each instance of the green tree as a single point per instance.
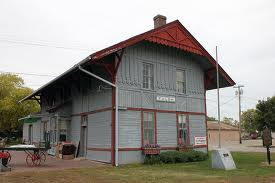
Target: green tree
(229, 121)
(249, 122)
(209, 118)
(265, 110)
(11, 91)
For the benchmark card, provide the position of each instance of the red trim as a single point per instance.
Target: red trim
(155, 125)
(164, 111)
(130, 149)
(178, 135)
(168, 148)
(161, 148)
(93, 112)
(199, 146)
(142, 133)
(188, 123)
(135, 148)
(119, 57)
(160, 35)
(156, 130)
(98, 149)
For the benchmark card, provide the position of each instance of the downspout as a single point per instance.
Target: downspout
(116, 108)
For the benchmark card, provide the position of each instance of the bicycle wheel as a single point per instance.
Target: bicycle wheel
(9, 158)
(36, 159)
(42, 156)
(29, 160)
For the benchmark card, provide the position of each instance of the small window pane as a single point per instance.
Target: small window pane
(148, 76)
(183, 129)
(180, 81)
(148, 128)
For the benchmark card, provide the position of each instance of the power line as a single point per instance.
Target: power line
(211, 109)
(44, 45)
(30, 74)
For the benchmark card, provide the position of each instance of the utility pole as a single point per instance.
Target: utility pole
(218, 95)
(239, 93)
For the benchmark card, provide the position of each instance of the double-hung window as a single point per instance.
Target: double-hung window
(183, 130)
(181, 81)
(148, 128)
(148, 76)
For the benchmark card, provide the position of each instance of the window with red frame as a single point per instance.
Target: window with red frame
(148, 128)
(182, 129)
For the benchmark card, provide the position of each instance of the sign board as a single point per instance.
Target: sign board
(200, 141)
(166, 99)
(267, 139)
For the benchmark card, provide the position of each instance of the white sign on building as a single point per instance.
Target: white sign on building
(200, 141)
(166, 99)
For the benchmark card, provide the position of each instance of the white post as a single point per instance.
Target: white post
(218, 95)
(116, 143)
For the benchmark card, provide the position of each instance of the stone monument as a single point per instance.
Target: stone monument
(222, 159)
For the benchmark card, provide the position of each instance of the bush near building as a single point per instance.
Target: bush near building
(175, 157)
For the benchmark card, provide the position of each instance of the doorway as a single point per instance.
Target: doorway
(30, 133)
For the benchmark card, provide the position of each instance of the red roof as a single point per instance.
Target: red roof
(173, 34)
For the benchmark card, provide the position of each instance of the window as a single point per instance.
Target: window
(183, 130)
(44, 129)
(84, 120)
(62, 130)
(148, 128)
(181, 84)
(148, 76)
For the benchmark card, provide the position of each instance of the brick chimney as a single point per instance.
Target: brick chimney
(159, 20)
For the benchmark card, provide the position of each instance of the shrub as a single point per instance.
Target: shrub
(152, 159)
(176, 157)
(195, 156)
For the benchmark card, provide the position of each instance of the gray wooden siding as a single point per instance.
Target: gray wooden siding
(75, 129)
(104, 156)
(99, 130)
(166, 61)
(36, 131)
(91, 98)
(129, 129)
(166, 129)
(125, 157)
(197, 127)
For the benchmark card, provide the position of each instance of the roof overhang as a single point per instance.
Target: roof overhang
(173, 34)
(30, 119)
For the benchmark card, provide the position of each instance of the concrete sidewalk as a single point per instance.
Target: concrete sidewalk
(18, 163)
(246, 146)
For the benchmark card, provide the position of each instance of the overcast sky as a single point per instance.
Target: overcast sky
(49, 37)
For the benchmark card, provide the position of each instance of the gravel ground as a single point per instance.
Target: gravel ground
(18, 163)
(246, 146)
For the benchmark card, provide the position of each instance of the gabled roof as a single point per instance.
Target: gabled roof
(173, 34)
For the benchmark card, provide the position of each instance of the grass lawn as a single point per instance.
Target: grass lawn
(249, 170)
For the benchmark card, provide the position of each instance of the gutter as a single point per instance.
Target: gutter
(116, 108)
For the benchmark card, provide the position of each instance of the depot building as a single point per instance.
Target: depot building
(148, 90)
